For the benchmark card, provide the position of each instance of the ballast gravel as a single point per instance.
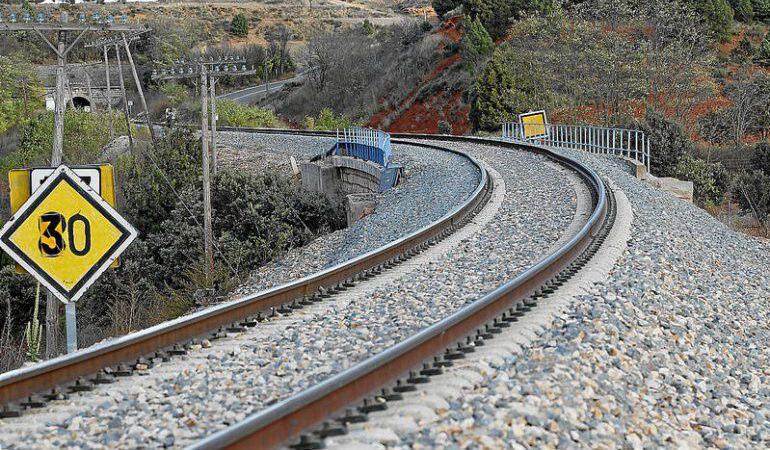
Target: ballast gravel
(671, 352)
(201, 398)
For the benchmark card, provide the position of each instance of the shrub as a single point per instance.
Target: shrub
(444, 127)
(709, 179)
(668, 142)
(761, 158)
(496, 14)
(761, 9)
(176, 93)
(743, 10)
(763, 53)
(236, 115)
(327, 120)
(476, 43)
(444, 6)
(239, 26)
(752, 191)
(20, 92)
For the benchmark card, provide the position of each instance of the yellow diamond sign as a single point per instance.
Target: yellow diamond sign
(66, 235)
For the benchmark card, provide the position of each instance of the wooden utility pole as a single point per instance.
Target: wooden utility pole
(139, 90)
(125, 100)
(109, 92)
(207, 71)
(213, 82)
(208, 237)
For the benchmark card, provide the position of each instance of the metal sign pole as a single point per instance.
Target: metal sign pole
(72, 327)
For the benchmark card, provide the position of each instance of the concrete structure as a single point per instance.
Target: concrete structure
(681, 189)
(351, 182)
(81, 97)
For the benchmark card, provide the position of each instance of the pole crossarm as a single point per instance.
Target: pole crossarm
(6, 26)
(196, 73)
(108, 41)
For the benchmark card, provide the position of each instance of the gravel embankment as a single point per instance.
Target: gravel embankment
(188, 403)
(670, 352)
(435, 182)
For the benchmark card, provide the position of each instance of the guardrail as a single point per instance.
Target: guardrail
(365, 143)
(600, 140)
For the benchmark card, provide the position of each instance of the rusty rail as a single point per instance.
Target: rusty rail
(18, 384)
(287, 419)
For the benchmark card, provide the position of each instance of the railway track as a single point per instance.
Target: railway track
(400, 364)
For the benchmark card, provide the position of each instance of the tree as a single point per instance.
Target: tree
(750, 96)
(508, 85)
(239, 25)
(668, 143)
(744, 11)
(718, 16)
(761, 9)
(496, 15)
(444, 6)
(476, 43)
(761, 158)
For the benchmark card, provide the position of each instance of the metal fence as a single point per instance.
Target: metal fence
(365, 143)
(601, 140)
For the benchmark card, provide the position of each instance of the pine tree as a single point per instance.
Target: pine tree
(476, 43)
(239, 25)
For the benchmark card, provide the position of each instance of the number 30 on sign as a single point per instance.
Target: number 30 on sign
(66, 235)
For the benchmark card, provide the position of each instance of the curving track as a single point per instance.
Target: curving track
(437, 273)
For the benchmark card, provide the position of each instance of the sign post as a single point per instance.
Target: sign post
(66, 235)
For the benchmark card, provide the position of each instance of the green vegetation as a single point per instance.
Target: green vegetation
(495, 14)
(444, 6)
(718, 16)
(507, 86)
(743, 9)
(175, 93)
(239, 26)
(327, 120)
(709, 179)
(236, 115)
(476, 44)
(668, 143)
(21, 94)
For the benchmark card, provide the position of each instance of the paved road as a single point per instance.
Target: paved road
(251, 94)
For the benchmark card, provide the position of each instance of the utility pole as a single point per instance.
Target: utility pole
(213, 82)
(125, 100)
(208, 237)
(139, 90)
(207, 72)
(109, 91)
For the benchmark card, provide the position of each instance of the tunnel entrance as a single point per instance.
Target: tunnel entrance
(81, 103)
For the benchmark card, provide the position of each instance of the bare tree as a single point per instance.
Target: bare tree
(750, 94)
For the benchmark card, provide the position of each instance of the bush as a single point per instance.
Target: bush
(236, 115)
(444, 127)
(668, 143)
(327, 120)
(21, 93)
(761, 158)
(239, 25)
(496, 14)
(444, 6)
(752, 191)
(709, 179)
(176, 94)
(476, 43)
(761, 9)
(743, 10)
(763, 53)
(507, 86)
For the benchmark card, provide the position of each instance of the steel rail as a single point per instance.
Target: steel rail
(18, 384)
(287, 419)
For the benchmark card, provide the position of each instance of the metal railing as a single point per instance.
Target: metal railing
(365, 143)
(600, 140)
